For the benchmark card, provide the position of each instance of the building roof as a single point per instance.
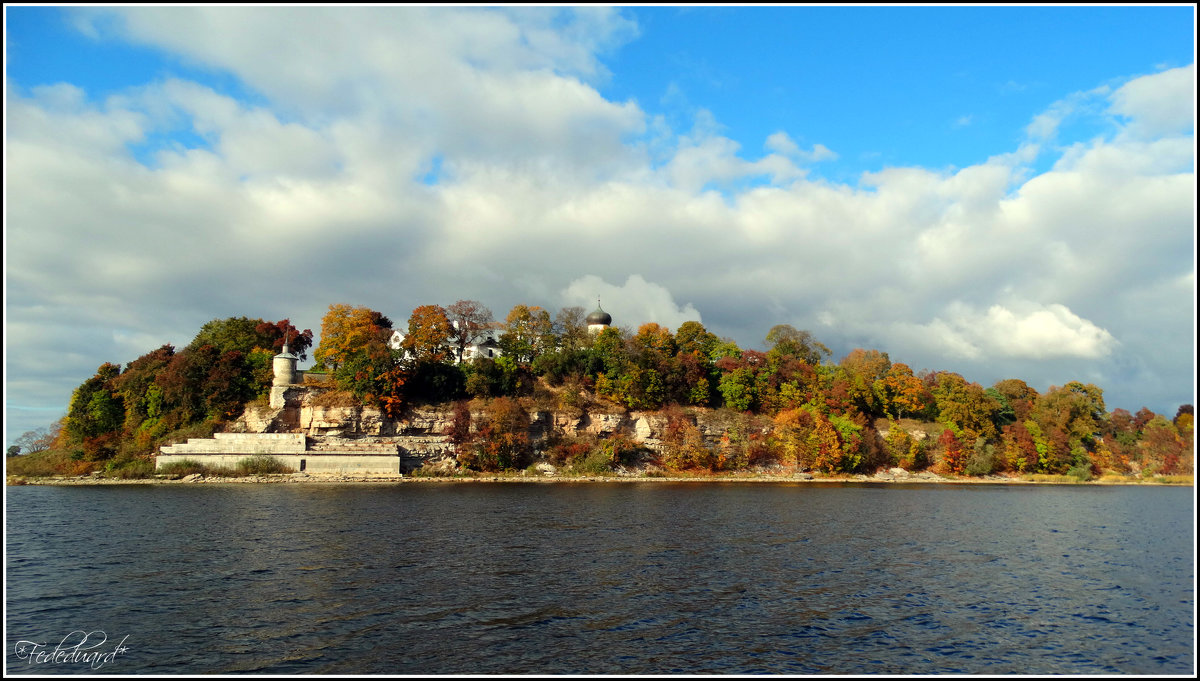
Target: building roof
(599, 316)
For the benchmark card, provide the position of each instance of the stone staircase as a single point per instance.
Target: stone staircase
(353, 447)
(241, 443)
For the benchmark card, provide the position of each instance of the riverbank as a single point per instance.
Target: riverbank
(894, 476)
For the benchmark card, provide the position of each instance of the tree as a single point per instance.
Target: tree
(34, 441)
(863, 371)
(346, 330)
(651, 337)
(964, 406)
(570, 324)
(136, 385)
(429, 334)
(96, 408)
(903, 394)
(954, 455)
(470, 323)
(1070, 417)
(502, 442)
(739, 388)
(245, 335)
(693, 337)
(786, 339)
(528, 332)
(1019, 396)
(683, 445)
(282, 332)
(227, 387)
(180, 386)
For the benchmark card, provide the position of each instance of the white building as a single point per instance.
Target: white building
(489, 348)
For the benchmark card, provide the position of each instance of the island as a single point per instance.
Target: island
(456, 395)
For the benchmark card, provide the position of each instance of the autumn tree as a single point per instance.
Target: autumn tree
(429, 335)
(964, 406)
(903, 394)
(1070, 418)
(139, 392)
(1019, 446)
(227, 387)
(502, 442)
(954, 454)
(345, 331)
(691, 336)
(786, 339)
(37, 440)
(282, 332)
(528, 332)
(1019, 397)
(683, 445)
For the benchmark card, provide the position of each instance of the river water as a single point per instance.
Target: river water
(620, 578)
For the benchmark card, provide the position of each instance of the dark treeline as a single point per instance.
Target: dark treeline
(788, 406)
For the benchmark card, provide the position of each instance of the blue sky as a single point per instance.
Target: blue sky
(882, 86)
(921, 180)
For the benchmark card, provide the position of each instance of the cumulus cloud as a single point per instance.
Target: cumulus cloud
(1032, 332)
(429, 155)
(631, 304)
(1158, 104)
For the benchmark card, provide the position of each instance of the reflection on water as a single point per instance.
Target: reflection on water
(648, 578)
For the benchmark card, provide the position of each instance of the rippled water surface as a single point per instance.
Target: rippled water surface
(636, 578)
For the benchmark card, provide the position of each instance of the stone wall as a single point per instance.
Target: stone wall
(245, 444)
(308, 463)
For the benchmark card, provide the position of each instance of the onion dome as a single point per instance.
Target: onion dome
(599, 316)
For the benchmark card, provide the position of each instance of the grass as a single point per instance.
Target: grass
(253, 465)
(1046, 477)
(1174, 479)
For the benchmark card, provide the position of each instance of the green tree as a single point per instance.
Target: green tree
(96, 408)
(235, 334)
(964, 406)
(528, 332)
(693, 337)
(786, 339)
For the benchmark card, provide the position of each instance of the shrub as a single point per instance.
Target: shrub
(984, 460)
(1081, 472)
(40, 464)
(184, 467)
(129, 468)
(192, 467)
(596, 462)
(262, 465)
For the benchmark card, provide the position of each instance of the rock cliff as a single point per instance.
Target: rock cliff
(305, 410)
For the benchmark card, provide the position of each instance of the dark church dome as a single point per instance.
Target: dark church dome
(599, 317)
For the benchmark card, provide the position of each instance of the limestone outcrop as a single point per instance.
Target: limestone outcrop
(306, 410)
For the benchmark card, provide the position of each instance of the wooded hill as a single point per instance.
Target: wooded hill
(789, 405)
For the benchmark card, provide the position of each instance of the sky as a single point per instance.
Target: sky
(1002, 192)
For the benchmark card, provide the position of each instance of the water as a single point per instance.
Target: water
(641, 578)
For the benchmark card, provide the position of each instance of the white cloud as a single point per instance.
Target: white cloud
(782, 144)
(1159, 104)
(1032, 331)
(631, 304)
(315, 193)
